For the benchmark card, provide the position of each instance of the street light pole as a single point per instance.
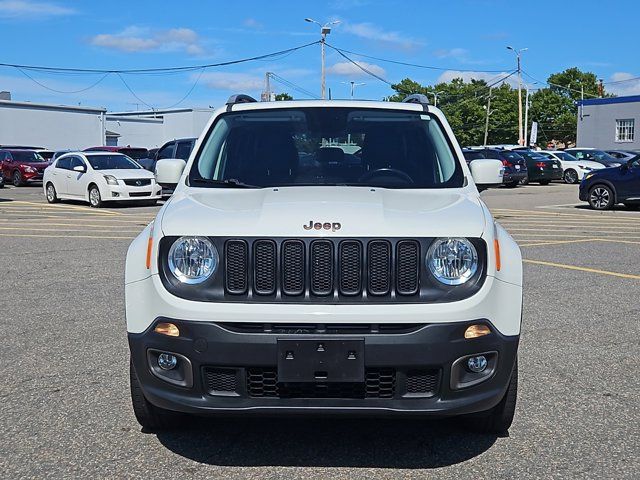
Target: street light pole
(518, 53)
(353, 86)
(325, 29)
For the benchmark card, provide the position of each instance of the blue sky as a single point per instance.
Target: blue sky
(454, 35)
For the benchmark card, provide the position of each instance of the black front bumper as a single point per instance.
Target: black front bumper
(426, 350)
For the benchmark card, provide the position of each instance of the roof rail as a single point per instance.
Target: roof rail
(239, 98)
(418, 98)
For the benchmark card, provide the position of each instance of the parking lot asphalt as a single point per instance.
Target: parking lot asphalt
(65, 396)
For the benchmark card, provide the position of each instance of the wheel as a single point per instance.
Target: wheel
(632, 206)
(570, 176)
(524, 181)
(601, 197)
(545, 182)
(94, 197)
(52, 196)
(17, 179)
(149, 416)
(498, 419)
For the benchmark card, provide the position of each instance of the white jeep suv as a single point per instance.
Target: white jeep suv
(325, 257)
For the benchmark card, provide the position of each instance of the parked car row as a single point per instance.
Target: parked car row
(96, 175)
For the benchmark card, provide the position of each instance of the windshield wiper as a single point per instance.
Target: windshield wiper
(230, 183)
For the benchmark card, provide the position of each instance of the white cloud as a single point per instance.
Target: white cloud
(630, 84)
(458, 53)
(252, 23)
(26, 8)
(236, 82)
(137, 39)
(348, 69)
(449, 75)
(375, 33)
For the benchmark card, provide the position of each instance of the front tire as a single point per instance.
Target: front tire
(17, 179)
(95, 200)
(498, 419)
(570, 176)
(601, 197)
(524, 181)
(149, 416)
(52, 196)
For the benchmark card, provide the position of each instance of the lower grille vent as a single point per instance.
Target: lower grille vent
(379, 383)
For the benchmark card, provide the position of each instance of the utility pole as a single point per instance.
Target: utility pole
(353, 86)
(486, 123)
(526, 118)
(520, 132)
(266, 95)
(325, 29)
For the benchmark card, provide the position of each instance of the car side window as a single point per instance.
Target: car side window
(166, 151)
(64, 163)
(183, 150)
(76, 162)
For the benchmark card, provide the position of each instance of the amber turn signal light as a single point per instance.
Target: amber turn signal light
(168, 329)
(475, 331)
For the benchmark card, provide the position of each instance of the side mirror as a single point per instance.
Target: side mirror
(169, 170)
(80, 168)
(486, 172)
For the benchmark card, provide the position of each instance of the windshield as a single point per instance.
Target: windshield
(112, 162)
(566, 156)
(27, 157)
(135, 153)
(533, 155)
(511, 156)
(327, 146)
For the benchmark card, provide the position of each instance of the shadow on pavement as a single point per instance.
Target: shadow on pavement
(373, 443)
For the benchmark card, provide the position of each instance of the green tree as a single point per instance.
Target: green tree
(283, 96)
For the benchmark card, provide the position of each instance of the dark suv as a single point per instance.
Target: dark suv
(605, 187)
(515, 167)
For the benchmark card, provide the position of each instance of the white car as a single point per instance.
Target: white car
(573, 170)
(99, 177)
(274, 283)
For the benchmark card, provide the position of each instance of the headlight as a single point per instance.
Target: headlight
(111, 180)
(28, 168)
(588, 169)
(452, 261)
(193, 259)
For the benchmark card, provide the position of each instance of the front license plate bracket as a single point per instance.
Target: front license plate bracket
(321, 360)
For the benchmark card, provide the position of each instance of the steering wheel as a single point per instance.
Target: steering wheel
(386, 172)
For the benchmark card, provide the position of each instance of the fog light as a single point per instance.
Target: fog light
(474, 364)
(166, 361)
(115, 194)
(475, 331)
(167, 329)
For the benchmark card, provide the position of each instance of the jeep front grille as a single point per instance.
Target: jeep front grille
(321, 268)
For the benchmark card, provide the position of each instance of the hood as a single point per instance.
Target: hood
(347, 211)
(37, 165)
(125, 174)
(589, 163)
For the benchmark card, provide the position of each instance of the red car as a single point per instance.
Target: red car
(137, 153)
(22, 166)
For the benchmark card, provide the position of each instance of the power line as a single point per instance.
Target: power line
(633, 79)
(561, 86)
(292, 85)
(159, 70)
(63, 91)
(408, 64)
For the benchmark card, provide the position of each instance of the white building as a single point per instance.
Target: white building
(51, 126)
(59, 127)
(153, 128)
